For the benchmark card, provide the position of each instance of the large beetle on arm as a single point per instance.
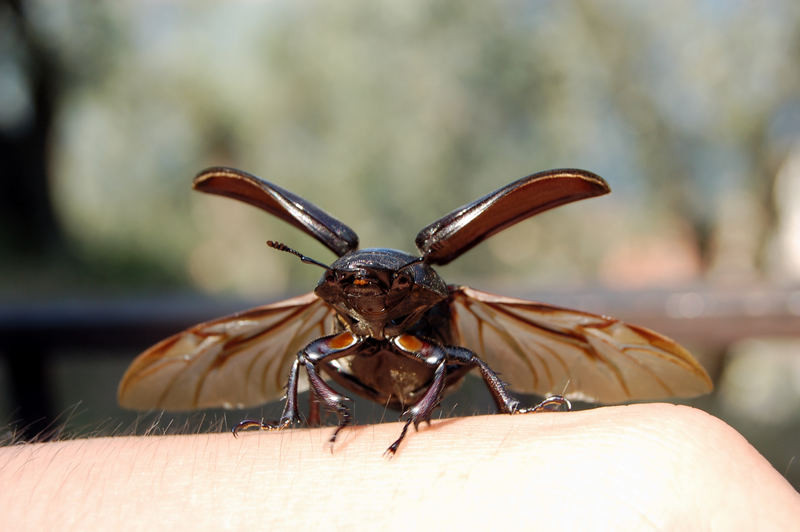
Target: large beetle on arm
(383, 324)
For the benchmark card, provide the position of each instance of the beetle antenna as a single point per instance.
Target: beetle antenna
(280, 246)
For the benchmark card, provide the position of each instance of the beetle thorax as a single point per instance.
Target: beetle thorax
(380, 292)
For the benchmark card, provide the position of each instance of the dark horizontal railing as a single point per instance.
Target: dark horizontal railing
(704, 318)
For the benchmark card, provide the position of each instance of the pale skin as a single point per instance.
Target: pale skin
(653, 466)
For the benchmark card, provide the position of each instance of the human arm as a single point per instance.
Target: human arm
(650, 465)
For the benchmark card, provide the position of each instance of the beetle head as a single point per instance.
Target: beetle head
(380, 292)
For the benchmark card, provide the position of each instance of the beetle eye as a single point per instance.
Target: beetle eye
(401, 281)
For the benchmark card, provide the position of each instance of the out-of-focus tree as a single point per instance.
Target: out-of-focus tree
(31, 87)
(390, 114)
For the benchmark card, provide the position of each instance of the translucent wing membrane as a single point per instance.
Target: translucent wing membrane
(542, 349)
(232, 362)
(279, 202)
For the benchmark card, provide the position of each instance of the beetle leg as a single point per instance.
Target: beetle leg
(502, 398)
(553, 402)
(324, 350)
(313, 418)
(432, 355)
(329, 397)
(318, 351)
(422, 410)
(289, 414)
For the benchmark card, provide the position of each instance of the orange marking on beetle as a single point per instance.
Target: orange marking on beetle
(360, 282)
(409, 342)
(341, 341)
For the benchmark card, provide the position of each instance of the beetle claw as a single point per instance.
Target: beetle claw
(417, 422)
(389, 453)
(251, 423)
(550, 404)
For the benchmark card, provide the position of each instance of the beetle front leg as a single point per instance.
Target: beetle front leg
(432, 355)
(424, 407)
(328, 396)
(289, 414)
(318, 351)
(313, 419)
(324, 350)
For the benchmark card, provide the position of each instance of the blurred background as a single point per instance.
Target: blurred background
(388, 115)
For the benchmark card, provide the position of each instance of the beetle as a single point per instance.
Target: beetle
(382, 324)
